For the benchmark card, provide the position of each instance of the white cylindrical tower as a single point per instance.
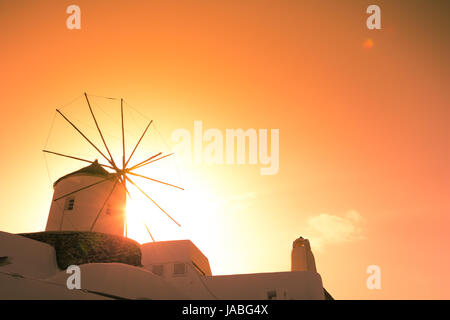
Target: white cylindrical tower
(302, 258)
(78, 211)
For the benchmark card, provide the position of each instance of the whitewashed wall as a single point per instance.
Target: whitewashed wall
(87, 204)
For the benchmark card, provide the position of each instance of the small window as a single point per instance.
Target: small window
(272, 295)
(179, 269)
(108, 209)
(277, 294)
(70, 202)
(4, 261)
(158, 269)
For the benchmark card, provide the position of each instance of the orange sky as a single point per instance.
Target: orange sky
(364, 139)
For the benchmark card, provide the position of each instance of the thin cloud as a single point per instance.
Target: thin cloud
(326, 229)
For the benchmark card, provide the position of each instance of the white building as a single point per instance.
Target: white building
(170, 269)
(182, 264)
(78, 211)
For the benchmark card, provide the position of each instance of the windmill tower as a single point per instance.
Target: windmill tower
(77, 211)
(93, 198)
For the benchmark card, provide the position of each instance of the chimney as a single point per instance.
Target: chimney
(302, 258)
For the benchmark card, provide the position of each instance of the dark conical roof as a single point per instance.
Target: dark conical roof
(94, 169)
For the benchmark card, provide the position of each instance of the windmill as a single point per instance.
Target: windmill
(122, 173)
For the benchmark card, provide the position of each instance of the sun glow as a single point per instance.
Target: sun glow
(192, 208)
(141, 213)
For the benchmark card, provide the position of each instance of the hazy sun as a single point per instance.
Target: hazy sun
(143, 214)
(193, 208)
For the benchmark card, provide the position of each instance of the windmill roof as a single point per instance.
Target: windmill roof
(94, 169)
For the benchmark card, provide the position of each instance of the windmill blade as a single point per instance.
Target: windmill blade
(151, 179)
(99, 131)
(146, 163)
(104, 204)
(125, 186)
(123, 135)
(76, 158)
(123, 182)
(134, 184)
(81, 189)
(137, 144)
(142, 162)
(148, 230)
(87, 139)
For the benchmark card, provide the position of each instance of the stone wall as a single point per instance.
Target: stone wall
(76, 248)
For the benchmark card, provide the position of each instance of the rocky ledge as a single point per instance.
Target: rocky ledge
(76, 248)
